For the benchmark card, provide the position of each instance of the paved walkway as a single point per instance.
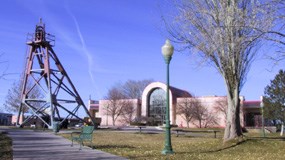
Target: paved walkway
(37, 145)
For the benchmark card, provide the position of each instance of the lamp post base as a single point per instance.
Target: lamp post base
(167, 150)
(167, 144)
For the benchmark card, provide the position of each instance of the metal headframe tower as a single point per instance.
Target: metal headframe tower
(44, 73)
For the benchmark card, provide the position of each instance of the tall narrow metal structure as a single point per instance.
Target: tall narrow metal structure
(44, 73)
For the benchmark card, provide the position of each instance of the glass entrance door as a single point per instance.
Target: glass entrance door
(157, 106)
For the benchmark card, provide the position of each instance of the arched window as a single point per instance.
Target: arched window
(157, 106)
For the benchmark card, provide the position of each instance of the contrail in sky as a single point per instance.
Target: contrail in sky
(85, 50)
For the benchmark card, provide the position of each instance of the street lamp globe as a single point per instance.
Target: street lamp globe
(167, 51)
(261, 102)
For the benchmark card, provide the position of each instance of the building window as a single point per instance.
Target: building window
(157, 106)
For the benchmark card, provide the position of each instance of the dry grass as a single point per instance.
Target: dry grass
(149, 146)
(6, 152)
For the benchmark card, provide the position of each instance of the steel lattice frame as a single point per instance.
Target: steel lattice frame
(44, 70)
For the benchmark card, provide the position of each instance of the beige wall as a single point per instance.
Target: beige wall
(14, 119)
(107, 119)
(209, 102)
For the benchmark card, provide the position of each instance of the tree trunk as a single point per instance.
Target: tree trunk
(113, 120)
(282, 129)
(233, 128)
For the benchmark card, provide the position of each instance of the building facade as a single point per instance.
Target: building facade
(119, 112)
(152, 106)
(5, 119)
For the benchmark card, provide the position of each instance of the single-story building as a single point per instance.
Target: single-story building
(6, 119)
(152, 106)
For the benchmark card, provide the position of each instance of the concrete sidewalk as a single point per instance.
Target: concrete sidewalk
(37, 145)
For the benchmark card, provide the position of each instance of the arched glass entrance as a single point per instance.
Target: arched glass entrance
(157, 106)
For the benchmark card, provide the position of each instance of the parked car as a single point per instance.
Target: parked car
(79, 125)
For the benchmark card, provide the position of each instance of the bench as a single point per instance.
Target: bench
(86, 134)
(182, 130)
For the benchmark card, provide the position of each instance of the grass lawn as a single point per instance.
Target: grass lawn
(149, 146)
(5, 147)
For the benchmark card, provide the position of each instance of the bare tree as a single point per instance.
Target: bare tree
(221, 106)
(210, 119)
(128, 111)
(200, 113)
(120, 103)
(185, 109)
(115, 103)
(226, 35)
(202, 116)
(193, 111)
(133, 89)
(13, 98)
(277, 33)
(3, 63)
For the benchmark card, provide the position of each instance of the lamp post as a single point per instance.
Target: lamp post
(262, 106)
(167, 51)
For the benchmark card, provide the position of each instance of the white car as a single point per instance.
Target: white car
(79, 125)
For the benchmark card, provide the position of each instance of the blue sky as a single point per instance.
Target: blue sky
(101, 43)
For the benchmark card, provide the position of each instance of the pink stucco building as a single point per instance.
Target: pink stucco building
(105, 109)
(152, 105)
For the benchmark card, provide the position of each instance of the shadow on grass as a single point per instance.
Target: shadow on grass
(167, 157)
(268, 138)
(146, 133)
(112, 146)
(228, 146)
(197, 137)
(233, 145)
(250, 139)
(224, 147)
